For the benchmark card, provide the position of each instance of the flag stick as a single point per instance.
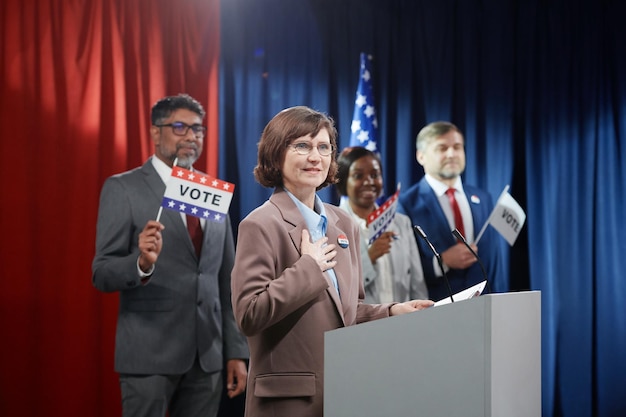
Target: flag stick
(159, 213)
(158, 217)
(506, 188)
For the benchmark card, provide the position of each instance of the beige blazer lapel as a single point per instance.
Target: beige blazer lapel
(292, 215)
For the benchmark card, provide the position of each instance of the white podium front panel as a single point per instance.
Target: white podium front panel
(479, 357)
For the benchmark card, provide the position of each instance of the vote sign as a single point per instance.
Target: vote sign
(380, 219)
(197, 194)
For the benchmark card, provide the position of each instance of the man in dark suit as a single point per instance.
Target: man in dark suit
(175, 325)
(431, 205)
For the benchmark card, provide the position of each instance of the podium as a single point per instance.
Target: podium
(477, 357)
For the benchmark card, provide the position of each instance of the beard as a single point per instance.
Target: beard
(184, 162)
(451, 171)
(449, 175)
(184, 159)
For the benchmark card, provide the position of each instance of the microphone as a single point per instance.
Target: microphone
(461, 239)
(434, 251)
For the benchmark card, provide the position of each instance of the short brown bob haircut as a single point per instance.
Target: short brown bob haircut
(288, 125)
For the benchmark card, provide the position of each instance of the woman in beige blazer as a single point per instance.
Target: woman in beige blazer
(297, 270)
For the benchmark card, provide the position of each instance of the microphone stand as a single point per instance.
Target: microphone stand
(462, 239)
(439, 261)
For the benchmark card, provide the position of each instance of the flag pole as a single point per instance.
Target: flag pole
(158, 217)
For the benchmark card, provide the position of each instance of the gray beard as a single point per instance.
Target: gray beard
(182, 162)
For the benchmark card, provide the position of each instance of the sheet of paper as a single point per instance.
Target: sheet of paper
(471, 292)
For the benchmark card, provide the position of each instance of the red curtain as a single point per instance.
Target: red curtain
(78, 80)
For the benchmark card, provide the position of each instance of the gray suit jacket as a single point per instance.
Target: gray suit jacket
(284, 303)
(406, 265)
(186, 306)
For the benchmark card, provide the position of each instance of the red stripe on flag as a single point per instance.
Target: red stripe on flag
(202, 179)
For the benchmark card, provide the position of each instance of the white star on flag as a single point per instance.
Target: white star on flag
(361, 100)
(363, 137)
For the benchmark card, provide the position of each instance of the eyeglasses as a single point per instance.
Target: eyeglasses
(305, 148)
(181, 129)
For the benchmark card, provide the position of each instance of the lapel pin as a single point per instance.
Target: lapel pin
(343, 241)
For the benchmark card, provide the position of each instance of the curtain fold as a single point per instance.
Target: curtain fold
(538, 87)
(78, 81)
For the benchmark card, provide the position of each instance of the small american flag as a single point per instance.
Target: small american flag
(364, 121)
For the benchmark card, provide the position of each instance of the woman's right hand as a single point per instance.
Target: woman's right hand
(381, 246)
(323, 253)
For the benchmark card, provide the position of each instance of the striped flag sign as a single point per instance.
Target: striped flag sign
(379, 219)
(198, 195)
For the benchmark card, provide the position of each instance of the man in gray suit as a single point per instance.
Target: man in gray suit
(175, 326)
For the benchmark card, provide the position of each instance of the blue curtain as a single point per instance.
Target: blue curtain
(539, 89)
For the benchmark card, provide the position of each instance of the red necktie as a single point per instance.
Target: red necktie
(195, 233)
(458, 219)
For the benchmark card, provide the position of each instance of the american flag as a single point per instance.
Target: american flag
(364, 121)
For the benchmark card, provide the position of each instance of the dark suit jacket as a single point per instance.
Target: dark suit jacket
(420, 203)
(284, 303)
(186, 306)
